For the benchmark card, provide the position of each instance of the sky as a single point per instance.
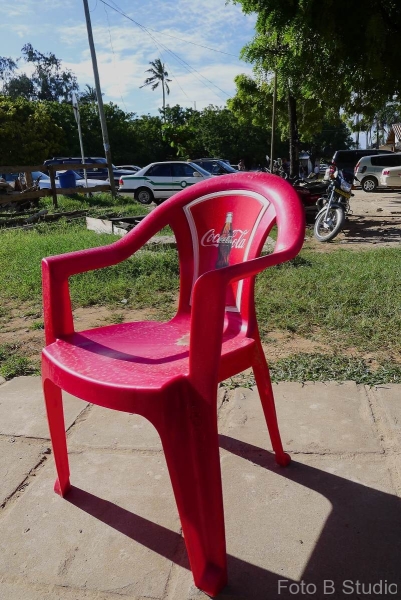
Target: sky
(199, 43)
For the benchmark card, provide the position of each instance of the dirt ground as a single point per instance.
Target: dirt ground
(375, 222)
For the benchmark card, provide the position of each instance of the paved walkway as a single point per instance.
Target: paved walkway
(333, 516)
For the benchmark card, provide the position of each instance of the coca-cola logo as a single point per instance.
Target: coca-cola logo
(236, 240)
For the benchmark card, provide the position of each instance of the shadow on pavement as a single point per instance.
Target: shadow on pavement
(373, 230)
(360, 540)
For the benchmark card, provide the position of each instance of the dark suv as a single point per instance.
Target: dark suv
(346, 160)
(215, 166)
(97, 173)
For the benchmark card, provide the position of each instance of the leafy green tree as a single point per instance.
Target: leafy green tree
(332, 137)
(20, 87)
(28, 133)
(123, 140)
(214, 132)
(150, 143)
(321, 56)
(159, 76)
(320, 133)
(48, 82)
(7, 68)
(51, 82)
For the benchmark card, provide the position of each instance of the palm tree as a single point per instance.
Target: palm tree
(159, 74)
(89, 95)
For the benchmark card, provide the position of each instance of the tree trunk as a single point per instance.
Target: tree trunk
(294, 141)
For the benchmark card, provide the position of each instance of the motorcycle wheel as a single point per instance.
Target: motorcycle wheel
(326, 231)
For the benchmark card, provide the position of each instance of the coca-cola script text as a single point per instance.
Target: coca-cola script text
(237, 239)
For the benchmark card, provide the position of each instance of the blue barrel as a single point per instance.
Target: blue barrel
(67, 179)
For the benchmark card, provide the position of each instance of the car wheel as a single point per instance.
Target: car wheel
(144, 195)
(369, 184)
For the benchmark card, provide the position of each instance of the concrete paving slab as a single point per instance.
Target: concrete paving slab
(389, 398)
(116, 533)
(313, 417)
(102, 428)
(333, 515)
(22, 408)
(17, 591)
(322, 518)
(18, 458)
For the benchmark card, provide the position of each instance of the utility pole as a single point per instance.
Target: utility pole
(273, 122)
(99, 99)
(75, 108)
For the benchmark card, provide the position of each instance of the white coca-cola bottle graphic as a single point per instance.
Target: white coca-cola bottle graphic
(225, 242)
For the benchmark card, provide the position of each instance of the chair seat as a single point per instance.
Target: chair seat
(142, 355)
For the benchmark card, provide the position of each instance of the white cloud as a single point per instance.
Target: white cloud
(124, 50)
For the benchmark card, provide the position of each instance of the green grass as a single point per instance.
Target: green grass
(14, 364)
(148, 278)
(101, 205)
(328, 367)
(344, 298)
(100, 200)
(323, 367)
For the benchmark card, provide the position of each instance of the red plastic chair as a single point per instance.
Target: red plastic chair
(169, 372)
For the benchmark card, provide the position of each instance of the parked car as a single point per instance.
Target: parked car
(391, 177)
(346, 160)
(369, 169)
(100, 172)
(128, 167)
(9, 178)
(44, 181)
(161, 180)
(215, 166)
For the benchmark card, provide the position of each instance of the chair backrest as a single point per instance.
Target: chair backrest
(226, 220)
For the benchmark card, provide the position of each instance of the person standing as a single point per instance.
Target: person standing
(286, 166)
(241, 165)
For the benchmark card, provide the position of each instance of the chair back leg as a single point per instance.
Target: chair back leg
(55, 417)
(263, 382)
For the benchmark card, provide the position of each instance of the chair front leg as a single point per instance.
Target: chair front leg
(188, 431)
(55, 417)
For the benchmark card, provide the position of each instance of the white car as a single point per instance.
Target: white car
(369, 169)
(161, 180)
(391, 177)
(134, 168)
(44, 181)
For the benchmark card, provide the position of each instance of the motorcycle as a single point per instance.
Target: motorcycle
(310, 193)
(334, 208)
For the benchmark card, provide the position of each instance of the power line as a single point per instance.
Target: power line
(112, 49)
(188, 67)
(177, 82)
(118, 10)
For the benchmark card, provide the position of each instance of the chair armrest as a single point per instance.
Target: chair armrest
(255, 266)
(208, 310)
(57, 269)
